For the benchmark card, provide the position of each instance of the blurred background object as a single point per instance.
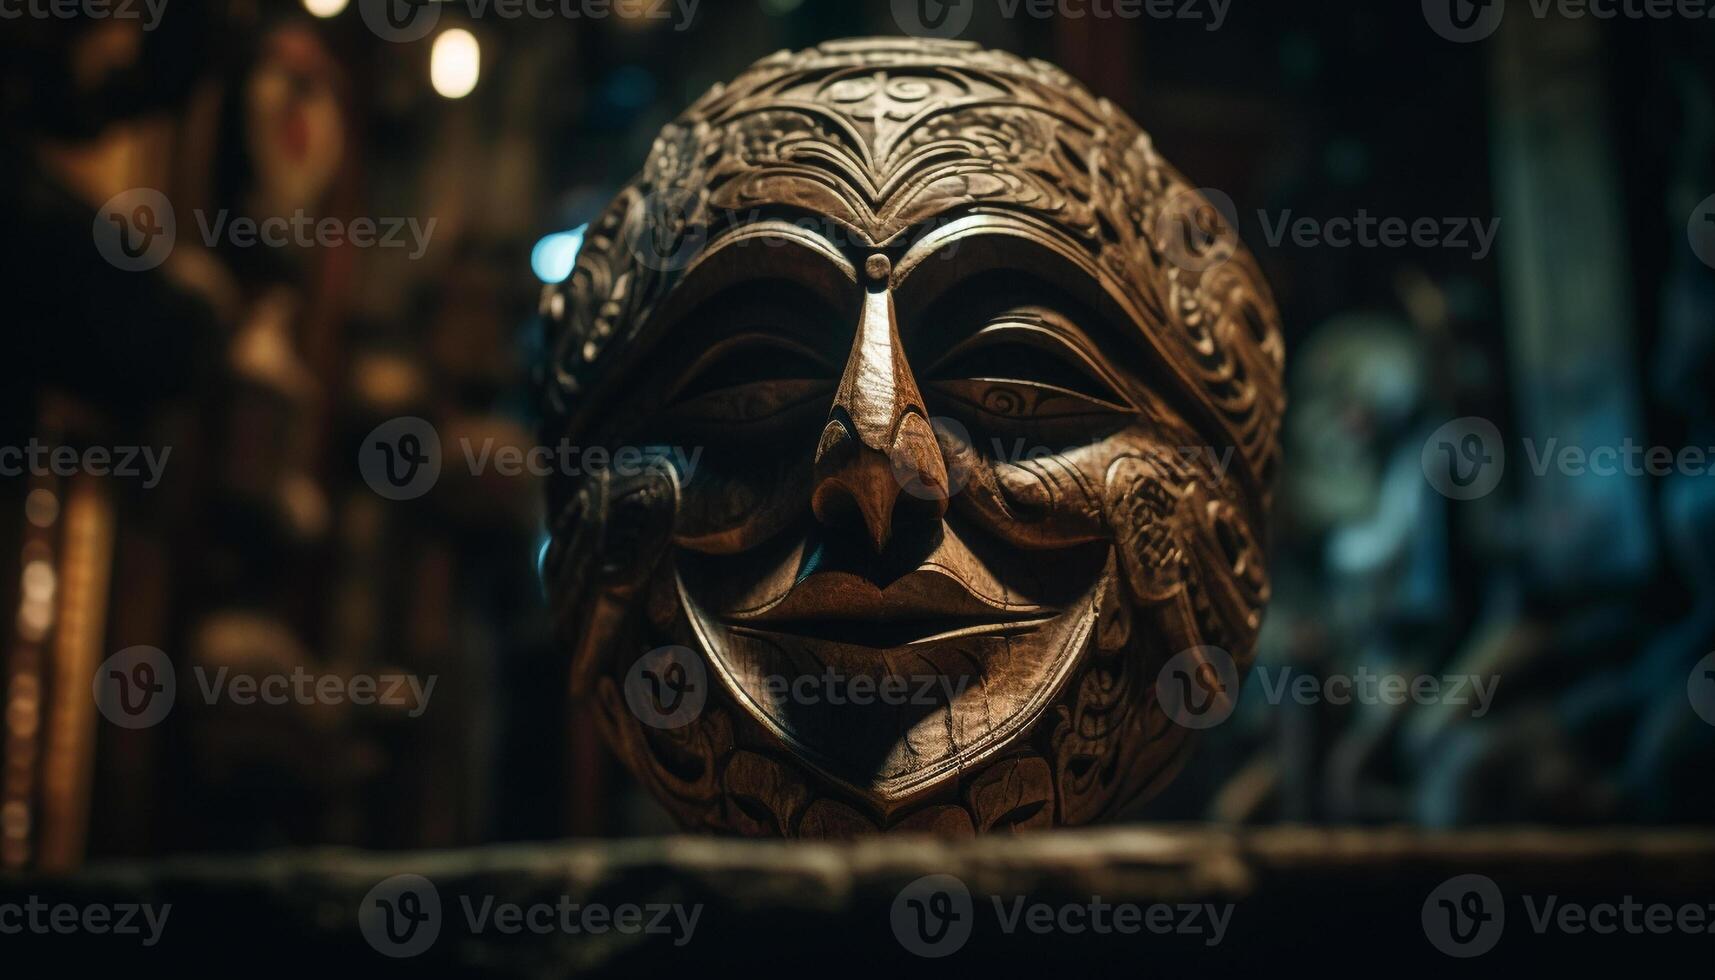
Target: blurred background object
(490, 141)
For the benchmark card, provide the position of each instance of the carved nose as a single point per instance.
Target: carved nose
(877, 463)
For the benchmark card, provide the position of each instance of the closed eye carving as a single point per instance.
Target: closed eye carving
(751, 378)
(1019, 374)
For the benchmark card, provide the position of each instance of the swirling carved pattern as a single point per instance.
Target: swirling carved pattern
(1185, 565)
(881, 136)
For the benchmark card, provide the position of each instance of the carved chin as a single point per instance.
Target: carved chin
(900, 716)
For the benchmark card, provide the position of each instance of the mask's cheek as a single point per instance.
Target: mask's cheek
(1185, 549)
(732, 503)
(1044, 501)
(1180, 544)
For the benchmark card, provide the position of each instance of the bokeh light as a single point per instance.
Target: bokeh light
(455, 63)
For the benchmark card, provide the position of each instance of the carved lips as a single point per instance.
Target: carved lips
(975, 651)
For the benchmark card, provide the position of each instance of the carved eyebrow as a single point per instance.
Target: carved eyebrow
(769, 250)
(931, 237)
(976, 243)
(774, 233)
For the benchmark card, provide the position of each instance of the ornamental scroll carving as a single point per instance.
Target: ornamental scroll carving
(974, 406)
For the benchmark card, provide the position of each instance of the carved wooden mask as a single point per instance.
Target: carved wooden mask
(953, 413)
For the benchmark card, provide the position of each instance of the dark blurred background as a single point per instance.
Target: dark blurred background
(262, 548)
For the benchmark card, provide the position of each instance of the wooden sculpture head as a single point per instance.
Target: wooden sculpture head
(973, 405)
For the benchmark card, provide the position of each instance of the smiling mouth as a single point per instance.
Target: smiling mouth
(932, 603)
(1001, 647)
(898, 633)
(809, 592)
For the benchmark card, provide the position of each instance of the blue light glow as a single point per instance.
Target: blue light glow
(553, 257)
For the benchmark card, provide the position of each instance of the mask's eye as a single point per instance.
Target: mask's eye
(1020, 376)
(752, 378)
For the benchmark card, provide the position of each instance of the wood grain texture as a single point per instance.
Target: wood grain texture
(975, 405)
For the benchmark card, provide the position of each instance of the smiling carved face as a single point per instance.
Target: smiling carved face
(973, 406)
